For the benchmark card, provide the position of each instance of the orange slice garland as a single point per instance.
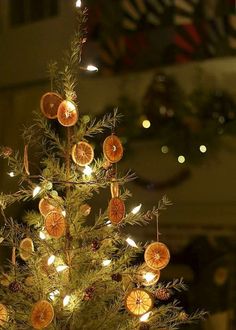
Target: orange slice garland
(147, 276)
(46, 206)
(112, 149)
(157, 255)
(138, 302)
(55, 224)
(82, 153)
(42, 314)
(116, 210)
(26, 248)
(49, 104)
(3, 314)
(67, 113)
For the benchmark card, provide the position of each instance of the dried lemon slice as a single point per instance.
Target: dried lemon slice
(157, 255)
(138, 302)
(49, 104)
(67, 113)
(55, 224)
(42, 314)
(112, 149)
(26, 248)
(82, 153)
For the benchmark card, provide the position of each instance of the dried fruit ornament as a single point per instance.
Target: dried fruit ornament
(112, 149)
(3, 315)
(55, 224)
(157, 255)
(26, 248)
(67, 113)
(49, 104)
(46, 206)
(138, 302)
(116, 210)
(82, 153)
(42, 314)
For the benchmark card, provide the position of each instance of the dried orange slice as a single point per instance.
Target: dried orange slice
(49, 104)
(26, 248)
(55, 224)
(3, 314)
(116, 210)
(157, 255)
(138, 302)
(112, 149)
(82, 153)
(46, 206)
(67, 113)
(42, 314)
(147, 276)
(115, 191)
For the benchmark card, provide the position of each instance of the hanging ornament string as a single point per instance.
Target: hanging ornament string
(157, 222)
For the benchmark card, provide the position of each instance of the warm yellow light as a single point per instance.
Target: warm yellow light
(146, 123)
(66, 300)
(181, 159)
(11, 174)
(149, 276)
(42, 235)
(106, 262)
(87, 170)
(53, 294)
(36, 191)
(60, 268)
(203, 148)
(63, 213)
(51, 260)
(70, 106)
(164, 149)
(108, 223)
(78, 3)
(145, 317)
(131, 242)
(92, 68)
(136, 209)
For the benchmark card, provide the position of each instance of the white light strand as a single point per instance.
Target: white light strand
(78, 4)
(145, 317)
(87, 170)
(149, 276)
(42, 235)
(106, 262)
(53, 294)
(131, 242)
(60, 268)
(66, 300)
(136, 209)
(51, 260)
(91, 68)
(11, 174)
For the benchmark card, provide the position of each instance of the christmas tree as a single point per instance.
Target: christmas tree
(66, 272)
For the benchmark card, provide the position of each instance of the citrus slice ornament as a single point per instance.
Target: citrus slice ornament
(116, 210)
(157, 255)
(26, 248)
(67, 113)
(49, 104)
(113, 149)
(139, 302)
(42, 314)
(46, 206)
(147, 276)
(3, 315)
(55, 224)
(82, 153)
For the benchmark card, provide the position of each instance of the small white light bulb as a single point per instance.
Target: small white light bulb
(108, 223)
(60, 268)
(78, 4)
(11, 174)
(42, 235)
(149, 276)
(145, 317)
(136, 209)
(181, 159)
(51, 260)
(87, 170)
(203, 148)
(92, 68)
(63, 213)
(131, 242)
(146, 123)
(36, 191)
(66, 300)
(53, 294)
(106, 262)
(164, 149)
